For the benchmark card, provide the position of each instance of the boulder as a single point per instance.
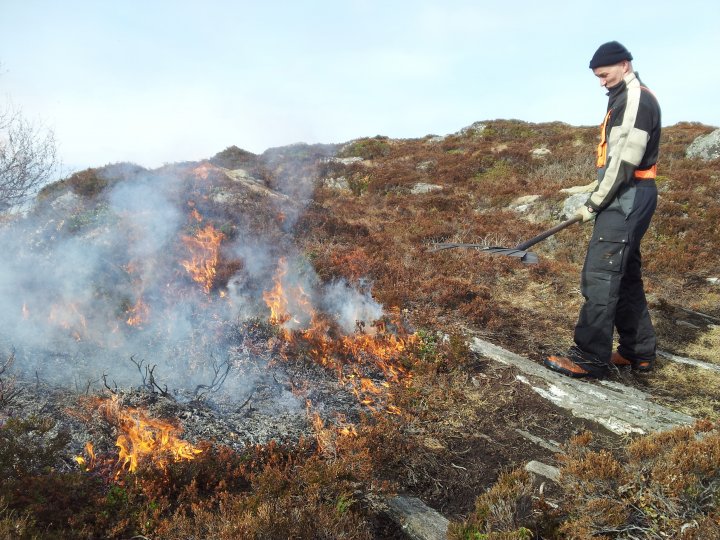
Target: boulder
(476, 128)
(425, 166)
(621, 409)
(342, 160)
(340, 183)
(705, 147)
(418, 520)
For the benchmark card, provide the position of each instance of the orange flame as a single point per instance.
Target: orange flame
(196, 215)
(138, 314)
(90, 451)
(204, 250)
(68, 317)
(349, 356)
(202, 171)
(143, 438)
(275, 298)
(280, 304)
(327, 436)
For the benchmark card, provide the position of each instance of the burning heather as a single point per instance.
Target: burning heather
(141, 438)
(184, 281)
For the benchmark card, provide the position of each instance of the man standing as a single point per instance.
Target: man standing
(621, 205)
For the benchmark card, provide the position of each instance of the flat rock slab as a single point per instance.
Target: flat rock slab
(543, 470)
(618, 407)
(689, 361)
(418, 521)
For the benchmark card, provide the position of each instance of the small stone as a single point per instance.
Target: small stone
(539, 153)
(421, 187)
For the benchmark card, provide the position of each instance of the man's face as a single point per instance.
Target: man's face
(610, 75)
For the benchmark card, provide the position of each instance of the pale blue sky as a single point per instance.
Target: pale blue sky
(160, 81)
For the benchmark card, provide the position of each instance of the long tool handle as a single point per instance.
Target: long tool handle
(543, 235)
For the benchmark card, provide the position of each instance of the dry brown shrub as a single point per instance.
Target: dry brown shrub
(352, 263)
(563, 171)
(16, 525)
(660, 485)
(503, 511)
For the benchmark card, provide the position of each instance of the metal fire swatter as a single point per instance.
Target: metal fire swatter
(519, 251)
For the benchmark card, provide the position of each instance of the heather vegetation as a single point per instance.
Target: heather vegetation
(387, 232)
(449, 431)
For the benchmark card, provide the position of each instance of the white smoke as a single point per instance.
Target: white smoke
(350, 307)
(77, 268)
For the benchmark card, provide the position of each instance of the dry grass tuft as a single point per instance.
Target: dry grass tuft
(707, 346)
(692, 390)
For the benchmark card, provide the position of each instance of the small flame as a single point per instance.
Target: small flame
(138, 314)
(196, 215)
(283, 300)
(328, 436)
(204, 250)
(143, 438)
(275, 298)
(202, 171)
(87, 464)
(69, 318)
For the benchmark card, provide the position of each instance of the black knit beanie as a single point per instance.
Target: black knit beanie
(609, 54)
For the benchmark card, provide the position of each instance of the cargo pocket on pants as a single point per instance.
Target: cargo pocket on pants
(607, 250)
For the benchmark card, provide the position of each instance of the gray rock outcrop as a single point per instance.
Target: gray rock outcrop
(573, 202)
(705, 147)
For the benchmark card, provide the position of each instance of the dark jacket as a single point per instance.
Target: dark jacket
(632, 132)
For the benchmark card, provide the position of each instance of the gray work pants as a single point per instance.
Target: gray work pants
(612, 283)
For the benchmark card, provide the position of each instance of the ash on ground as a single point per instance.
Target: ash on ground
(259, 394)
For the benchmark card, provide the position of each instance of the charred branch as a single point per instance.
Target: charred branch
(8, 390)
(241, 407)
(87, 386)
(106, 385)
(149, 383)
(220, 373)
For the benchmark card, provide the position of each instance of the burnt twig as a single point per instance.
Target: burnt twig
(8, 391)
(106, 385)
(241, 407)
(148, 377)
(221, 370)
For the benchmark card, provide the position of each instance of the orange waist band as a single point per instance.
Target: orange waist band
(646, 174)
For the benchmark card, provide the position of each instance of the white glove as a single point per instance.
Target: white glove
(587, 213)
(581, 189)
